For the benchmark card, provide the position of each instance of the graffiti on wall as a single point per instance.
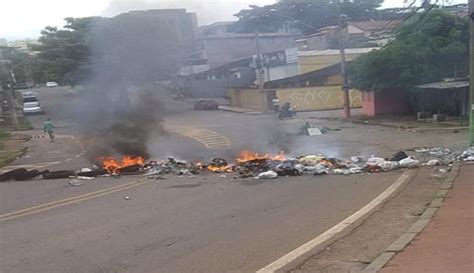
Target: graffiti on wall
(318, 98)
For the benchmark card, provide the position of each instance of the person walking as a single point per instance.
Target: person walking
(48, 127)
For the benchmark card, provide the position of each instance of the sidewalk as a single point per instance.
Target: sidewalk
(447, 243)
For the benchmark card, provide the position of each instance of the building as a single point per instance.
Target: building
(360, 34)
(217, 28)
(214, 82)
(24, 45)
(378, 32)
(182, 24)
(218, 50)
(316, 90)
(318, 59)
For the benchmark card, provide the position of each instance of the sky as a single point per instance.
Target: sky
(26, 18)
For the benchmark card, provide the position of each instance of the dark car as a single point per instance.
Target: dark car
(21, 86)
(208, 104)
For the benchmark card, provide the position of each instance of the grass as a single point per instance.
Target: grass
(25, 123)
(3, 136)
(8, 153)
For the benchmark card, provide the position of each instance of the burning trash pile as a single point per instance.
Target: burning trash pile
(251, 164)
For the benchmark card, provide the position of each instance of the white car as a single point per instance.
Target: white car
(31, 108)
(51, 84)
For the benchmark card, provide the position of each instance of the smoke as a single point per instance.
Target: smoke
(124, 127)
(121, 107)
(207, 11)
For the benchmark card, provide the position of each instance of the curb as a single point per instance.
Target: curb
(321, 242)
(411, 233)
(410, 128)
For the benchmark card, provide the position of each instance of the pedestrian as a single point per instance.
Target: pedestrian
(49, 127)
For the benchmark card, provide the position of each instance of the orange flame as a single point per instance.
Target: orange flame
(246, 156)
(112, 165)
(223, 169)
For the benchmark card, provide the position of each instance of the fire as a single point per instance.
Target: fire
(246, 156)
(113, 165)
(222, 169)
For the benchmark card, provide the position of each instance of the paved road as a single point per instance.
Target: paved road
(182, 224)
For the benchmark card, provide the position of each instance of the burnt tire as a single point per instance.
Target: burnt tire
(28, 175)
(12, 174)
(58, 174)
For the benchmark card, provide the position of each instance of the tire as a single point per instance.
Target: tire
(12, 174)
(280, 116)
(59, 174)
(28, 175)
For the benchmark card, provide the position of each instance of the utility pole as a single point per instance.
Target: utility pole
(260, 73)
(10, 94)
(471, 64)
(342, 24)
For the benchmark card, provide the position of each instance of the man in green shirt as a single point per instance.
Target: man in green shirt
(48, 127)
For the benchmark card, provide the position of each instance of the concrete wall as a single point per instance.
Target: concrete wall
(311, 63)
(378, 103)
(246, 98)
(304, 99)
(318, 97)
(223, 50)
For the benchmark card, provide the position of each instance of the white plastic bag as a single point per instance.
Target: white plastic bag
(409, 163)
(375, 160)
(267, 175)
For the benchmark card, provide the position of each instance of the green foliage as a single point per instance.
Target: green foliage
(3, 134)
(18, 60)
(428, 48)
(62, 52)
(119, 50)
(309, 14)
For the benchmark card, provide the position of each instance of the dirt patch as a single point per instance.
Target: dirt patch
(353, 252)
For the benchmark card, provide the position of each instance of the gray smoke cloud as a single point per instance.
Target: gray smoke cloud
(120, 109)
(207, 11)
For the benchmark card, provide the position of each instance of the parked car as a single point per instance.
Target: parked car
(206, 104)
(31, 108)
(21, 86)
(29, 94)
(51, 84)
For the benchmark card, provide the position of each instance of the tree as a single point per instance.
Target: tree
(62, 52)
(310, 15)
(428, 48)
(17, 61)
(125, 49)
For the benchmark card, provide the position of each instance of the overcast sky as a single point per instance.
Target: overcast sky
(25, 18)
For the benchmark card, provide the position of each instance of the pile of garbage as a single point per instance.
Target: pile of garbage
(250, 164)
(467, 155)
(268, 167)
(172, 166)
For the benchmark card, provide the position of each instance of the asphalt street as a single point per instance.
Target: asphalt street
(207, 223)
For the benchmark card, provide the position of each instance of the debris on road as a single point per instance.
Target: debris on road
(267, 175)
(75, 183)
(432, 162)
(468, 154)
(251, 164)
(409, 163)
(398, 156)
